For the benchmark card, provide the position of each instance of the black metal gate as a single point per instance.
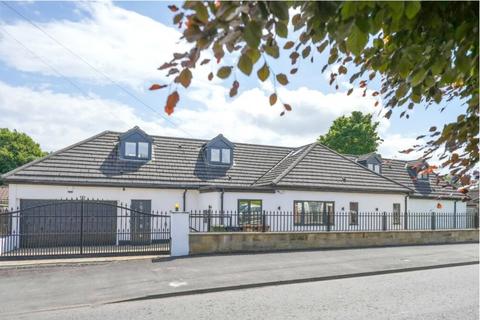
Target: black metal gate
(81, 227)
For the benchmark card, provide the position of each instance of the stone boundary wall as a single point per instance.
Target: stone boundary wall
(237, 242)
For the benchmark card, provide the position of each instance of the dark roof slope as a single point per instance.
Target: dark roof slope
(321, 167)
(178, 162)
(434, 187)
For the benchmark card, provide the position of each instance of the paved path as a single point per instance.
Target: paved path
(46, 288)
(449, 293)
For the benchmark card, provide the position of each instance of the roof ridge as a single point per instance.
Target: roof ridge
(31, 163)
(307, 150)
(274, 166)
(207, 140)
(359, 165)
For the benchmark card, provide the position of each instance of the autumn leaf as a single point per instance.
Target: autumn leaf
(210, 76)
(349, 92)
(287, 107)
(204, 61)
(406, 151)
(288, 45)
(157, 86)
(293, 71)
(234, 89)
(263, 73)
(273, 99)
(282, 79)
(173, 8)
(224, 72)
(185, 77)
(172, 101)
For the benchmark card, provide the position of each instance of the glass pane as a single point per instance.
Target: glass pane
(243, 213)
(370, 166)
(143, 150)
(313, 212)
(215, 155)
(226, 155)
(130, 149)
(297, 212)
(256, 212)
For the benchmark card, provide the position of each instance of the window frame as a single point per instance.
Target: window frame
(239, 213)
(396, 219)
(324, 213)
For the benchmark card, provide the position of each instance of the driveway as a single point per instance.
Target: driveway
(31, 290)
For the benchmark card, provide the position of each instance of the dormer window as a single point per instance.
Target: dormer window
(372, 161)
(135, 144)
(219, 151)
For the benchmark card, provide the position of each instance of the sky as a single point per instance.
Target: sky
(70, 70)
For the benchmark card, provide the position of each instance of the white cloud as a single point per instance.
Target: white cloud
(123, 44)
(129, 47)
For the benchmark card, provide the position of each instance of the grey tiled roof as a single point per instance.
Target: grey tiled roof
(178, 162)
(433, 187)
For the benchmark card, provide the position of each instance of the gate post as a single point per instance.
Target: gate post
(384, 221)
(433, 221)
(179, 234)
(81, 224)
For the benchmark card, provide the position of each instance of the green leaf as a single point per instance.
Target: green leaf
(202, 12)
(401, 91)
(357, 40)
(349, 8)
(224, 72)
(281, 29)
(279, 9)
(396, 8)
(272, 50)
(253, 54)
(252, 34)
(264, 72)
(245, 64)
(418, 77)
(282, 79)
(412, 8)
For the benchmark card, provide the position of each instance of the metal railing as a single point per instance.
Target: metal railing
(288, 221)
(82, 227)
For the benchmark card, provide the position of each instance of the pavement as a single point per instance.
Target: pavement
(446, 293)
(35, 290)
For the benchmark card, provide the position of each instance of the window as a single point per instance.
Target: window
(143, 150)
(353, 216)
(249, 212)
(313, 212)
(215, 155)
(374, 167)
(396, 213)
(130, 149)
(225, 155)
(422, 176)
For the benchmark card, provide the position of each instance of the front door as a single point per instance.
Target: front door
(140, 221)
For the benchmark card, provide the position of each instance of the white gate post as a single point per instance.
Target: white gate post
(179, 232)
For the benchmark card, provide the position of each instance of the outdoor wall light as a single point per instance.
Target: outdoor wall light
(70, 189)
(279, 208)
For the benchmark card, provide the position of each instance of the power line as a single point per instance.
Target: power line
(73, 84)
(94, 68)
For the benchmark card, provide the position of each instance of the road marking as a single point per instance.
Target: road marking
(177, 284)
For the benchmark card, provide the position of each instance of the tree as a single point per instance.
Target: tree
(16, 149)
(355, 134)
(421, 51)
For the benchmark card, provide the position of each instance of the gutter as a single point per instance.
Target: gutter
(185, 200)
